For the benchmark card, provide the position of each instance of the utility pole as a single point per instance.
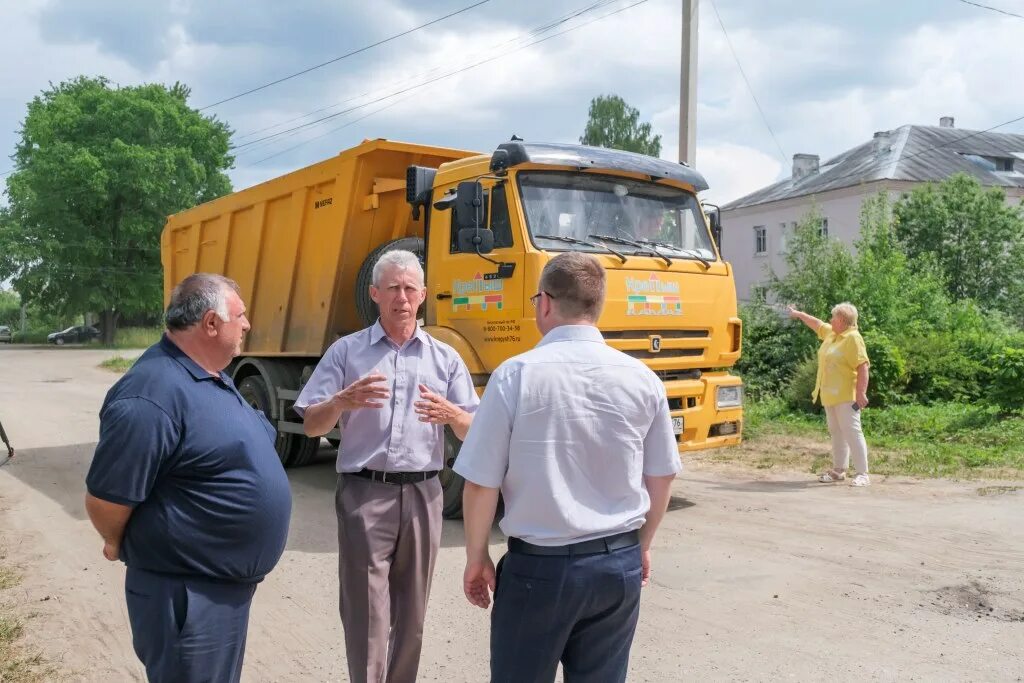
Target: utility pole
(688, 85)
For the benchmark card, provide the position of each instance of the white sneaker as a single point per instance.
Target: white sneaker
(861, 480)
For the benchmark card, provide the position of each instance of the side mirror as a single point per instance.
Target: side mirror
(476, 241)
(470, 218)
(469, 205)
(715, 219)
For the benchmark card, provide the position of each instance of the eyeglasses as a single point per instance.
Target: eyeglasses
(533, 299)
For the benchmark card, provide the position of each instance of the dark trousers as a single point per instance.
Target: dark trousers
(187, 629)
(578, 610)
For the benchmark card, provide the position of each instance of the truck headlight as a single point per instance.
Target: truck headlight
(729, 397)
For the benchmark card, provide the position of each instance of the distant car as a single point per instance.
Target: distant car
(5, 334)
(79, 334)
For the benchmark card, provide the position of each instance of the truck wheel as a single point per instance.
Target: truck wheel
(254, 391)
(451, 482)
(303, 449)
(364, 304)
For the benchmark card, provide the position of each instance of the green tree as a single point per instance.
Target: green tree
(613, 123)
(976, 240)
(97, 170)
(10, 309)
(819, 271)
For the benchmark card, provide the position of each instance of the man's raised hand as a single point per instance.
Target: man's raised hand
(365, 392)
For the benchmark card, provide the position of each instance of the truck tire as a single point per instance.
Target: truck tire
(254, 390)
(451, 483)
(303, 449)
(364, 304)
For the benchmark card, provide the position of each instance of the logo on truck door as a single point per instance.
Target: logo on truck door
(652, 296)
(478, 292)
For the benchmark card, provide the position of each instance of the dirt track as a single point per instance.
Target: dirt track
(756, 577)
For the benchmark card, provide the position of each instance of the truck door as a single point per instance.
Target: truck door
(472, 296)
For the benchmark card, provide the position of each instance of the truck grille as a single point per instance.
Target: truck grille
(678, 344)
(664, 334)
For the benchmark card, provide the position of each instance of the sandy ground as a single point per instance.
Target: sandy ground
(756, 576)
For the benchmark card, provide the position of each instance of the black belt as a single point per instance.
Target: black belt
(394, 477)
(598, 545)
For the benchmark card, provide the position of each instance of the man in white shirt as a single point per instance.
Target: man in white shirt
(578, 439)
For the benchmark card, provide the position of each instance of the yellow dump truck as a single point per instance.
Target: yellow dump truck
(302, 248)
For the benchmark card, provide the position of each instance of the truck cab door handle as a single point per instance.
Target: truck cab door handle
(444, 295)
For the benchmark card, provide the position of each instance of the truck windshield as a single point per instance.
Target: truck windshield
(587, 206)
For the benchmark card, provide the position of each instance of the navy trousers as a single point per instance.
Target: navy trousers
(187, 629)
(578, 610)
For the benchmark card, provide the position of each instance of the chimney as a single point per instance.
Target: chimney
(946, 122)
(804, 165)
(882, 143)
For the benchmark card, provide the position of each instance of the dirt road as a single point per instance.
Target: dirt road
(755, 578)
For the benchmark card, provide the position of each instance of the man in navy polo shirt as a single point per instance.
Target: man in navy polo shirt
(187, 489)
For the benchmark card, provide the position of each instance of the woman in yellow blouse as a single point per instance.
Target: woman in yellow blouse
(842, 387)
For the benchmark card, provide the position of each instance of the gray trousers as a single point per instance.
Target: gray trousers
(847, 438)
(388, 537)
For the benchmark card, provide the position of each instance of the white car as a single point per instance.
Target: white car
(5, 334)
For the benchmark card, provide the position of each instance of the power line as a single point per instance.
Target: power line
(332, 131)
(534, 32)
(764, 118)
(419, 84)
(438, 78)
(344, 56)
(993, 9)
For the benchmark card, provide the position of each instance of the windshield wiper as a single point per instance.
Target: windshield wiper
(650, 248)
(573, 240)
(689, 252)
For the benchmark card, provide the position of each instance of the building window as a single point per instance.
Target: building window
(760, 239)
(758, 293)
(823, 229)
(783, 237)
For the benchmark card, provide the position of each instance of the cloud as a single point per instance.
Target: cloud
(733, 171)
(826, 74)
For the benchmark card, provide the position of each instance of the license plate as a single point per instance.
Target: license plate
(677, 425)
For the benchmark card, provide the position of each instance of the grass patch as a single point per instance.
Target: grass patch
(118, 364)
(135, 338)
(944, 440)
(17, 664)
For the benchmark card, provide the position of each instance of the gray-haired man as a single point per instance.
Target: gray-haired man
(186, 488)
(393, 388)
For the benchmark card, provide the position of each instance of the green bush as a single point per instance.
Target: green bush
(797, 394)
(888, 375)
(1007, 387)
(773, 345)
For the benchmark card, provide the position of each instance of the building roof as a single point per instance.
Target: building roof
(908, 153)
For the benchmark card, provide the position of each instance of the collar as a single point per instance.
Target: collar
(198, 374)
(586, 333)
(851, 328)
(377, 333)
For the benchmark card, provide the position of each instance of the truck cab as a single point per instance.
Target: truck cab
(494, 222)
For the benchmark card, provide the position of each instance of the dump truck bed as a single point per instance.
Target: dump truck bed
(295, 244)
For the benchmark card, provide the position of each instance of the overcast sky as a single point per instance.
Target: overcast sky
(827, 73)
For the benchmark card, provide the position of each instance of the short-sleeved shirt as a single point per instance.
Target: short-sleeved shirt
(568, 430)
(839, 356)
(390, 438)
(197, 464)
